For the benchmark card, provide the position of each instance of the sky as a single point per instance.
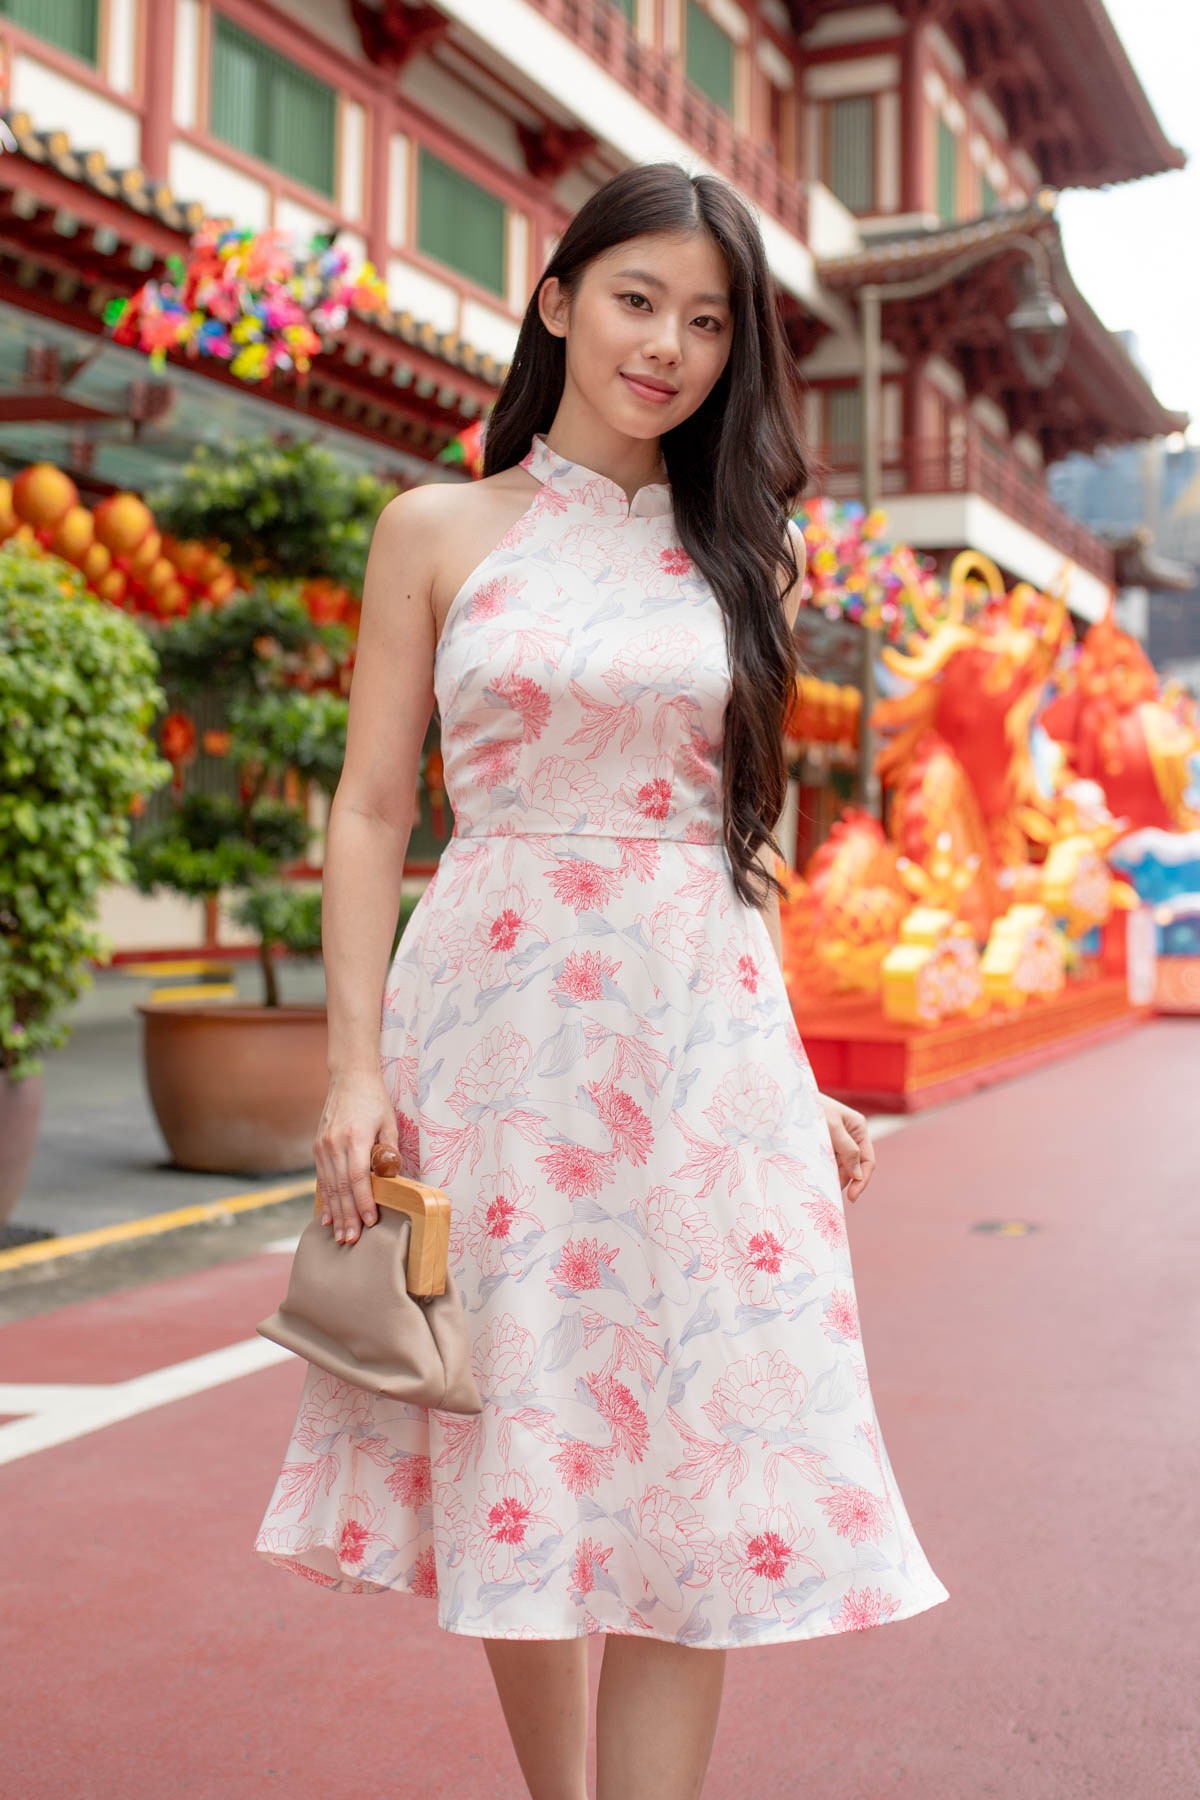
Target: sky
(1134, 249)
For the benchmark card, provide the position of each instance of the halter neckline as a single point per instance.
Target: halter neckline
(558, 472)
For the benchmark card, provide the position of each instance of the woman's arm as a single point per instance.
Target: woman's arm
(369, 827)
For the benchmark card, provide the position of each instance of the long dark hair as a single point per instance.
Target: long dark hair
(735, 466)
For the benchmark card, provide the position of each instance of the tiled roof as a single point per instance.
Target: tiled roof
(145, 198)
(1098, 357)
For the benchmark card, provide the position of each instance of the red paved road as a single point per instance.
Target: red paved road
(1037, 1397)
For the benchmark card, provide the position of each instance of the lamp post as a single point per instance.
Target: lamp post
(1038, 328)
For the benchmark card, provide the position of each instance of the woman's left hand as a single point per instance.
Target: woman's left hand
(851, 1145)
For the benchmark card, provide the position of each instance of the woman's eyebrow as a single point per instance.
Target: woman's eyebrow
(654, 281)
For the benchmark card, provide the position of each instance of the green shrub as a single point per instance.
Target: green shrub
(77, 697)
(280, 509)
(254, 652)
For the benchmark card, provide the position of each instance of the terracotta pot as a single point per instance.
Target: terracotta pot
(20, 1116)
(236, 1089)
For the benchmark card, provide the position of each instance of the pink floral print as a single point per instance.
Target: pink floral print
(588, 1043)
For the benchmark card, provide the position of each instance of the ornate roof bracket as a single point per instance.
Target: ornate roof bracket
(552, 150)
(392, 34)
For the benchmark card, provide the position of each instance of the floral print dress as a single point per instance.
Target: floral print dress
(589, 1045)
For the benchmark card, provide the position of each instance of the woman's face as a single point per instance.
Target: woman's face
(648, 330)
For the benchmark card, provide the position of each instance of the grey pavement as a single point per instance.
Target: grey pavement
(100, 1158)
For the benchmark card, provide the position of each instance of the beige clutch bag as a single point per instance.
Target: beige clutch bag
(383, 1313)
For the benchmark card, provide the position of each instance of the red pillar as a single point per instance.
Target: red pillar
(158, 76)
(913, 174)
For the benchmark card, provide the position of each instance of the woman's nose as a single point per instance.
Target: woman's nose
(664, 345)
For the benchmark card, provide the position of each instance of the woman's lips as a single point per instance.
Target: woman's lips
(646, 390)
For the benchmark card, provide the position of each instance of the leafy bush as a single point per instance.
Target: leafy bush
(258, 651)
(280, 509)
(77, 697)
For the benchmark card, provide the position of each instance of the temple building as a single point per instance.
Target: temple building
(903, 158)
(880, 143)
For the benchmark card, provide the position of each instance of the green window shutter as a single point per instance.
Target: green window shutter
(71, 25)
(844, 417)
(947, 174)
(460, 224)
(852, 152)
(988, 197)
(629, 8)
(710, 57)
(271, 109)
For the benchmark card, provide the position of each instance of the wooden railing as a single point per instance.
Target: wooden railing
(657, 80)
(970, 464)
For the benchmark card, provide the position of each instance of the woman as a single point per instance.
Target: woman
(586, 1036)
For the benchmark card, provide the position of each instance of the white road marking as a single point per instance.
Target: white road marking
(59, 1413)
(284, 1246)
(880, 1124)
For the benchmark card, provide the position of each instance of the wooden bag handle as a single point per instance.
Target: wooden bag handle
(429, 1210)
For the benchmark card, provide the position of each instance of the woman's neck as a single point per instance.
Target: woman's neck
(582, 438)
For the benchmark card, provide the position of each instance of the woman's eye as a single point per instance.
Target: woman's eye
(708, 322)
(634, 298)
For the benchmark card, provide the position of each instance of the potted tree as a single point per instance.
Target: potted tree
(239, 1087)
(78, 694)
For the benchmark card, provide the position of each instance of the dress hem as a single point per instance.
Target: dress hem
(296, 1565)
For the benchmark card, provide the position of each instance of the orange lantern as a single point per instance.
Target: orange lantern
(96, 563)
(147, 553)
(190, 558)
(74, 534)
(159, 575)
(113, 586)
(42, 494)
(8, 518)
(122, 521)
(172, 598)
(218, 591)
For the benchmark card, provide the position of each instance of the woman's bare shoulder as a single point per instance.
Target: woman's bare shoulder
(432, 506)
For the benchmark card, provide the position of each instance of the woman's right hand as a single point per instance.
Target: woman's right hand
(358, 1115)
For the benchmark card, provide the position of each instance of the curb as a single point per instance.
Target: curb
(54, 1250)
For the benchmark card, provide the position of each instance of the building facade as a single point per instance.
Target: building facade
(450, 142)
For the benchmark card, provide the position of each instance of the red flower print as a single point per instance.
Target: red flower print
(424, 1575)
(579, 1263)
(675, 561)
(654, 798)
(580, 977)
(409, 1480)
(410, 1144)
(507, 1510)
(527, 698)
(864, 1607)
(762, 1558)
(632, 1132)
(621, 1412)
(828, 1220)
(588, 1558)
(841, 1315)
(491, 597)
(856, 1513)
(585, 885)
(352, 1544)
(574, 1170)
(493, 762)
(508, 1521)
(582, 1466)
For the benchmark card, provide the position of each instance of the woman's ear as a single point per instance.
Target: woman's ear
(554, 306)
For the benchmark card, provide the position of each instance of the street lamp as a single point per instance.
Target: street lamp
(1038, 328)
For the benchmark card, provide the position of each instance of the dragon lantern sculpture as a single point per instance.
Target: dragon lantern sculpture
(979, 859)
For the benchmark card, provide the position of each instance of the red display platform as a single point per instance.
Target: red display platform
(859, 1056)
(1177, 984)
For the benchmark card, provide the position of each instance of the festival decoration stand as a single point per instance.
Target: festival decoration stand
(983, 931)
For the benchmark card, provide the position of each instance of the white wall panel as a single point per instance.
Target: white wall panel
(56, 103)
